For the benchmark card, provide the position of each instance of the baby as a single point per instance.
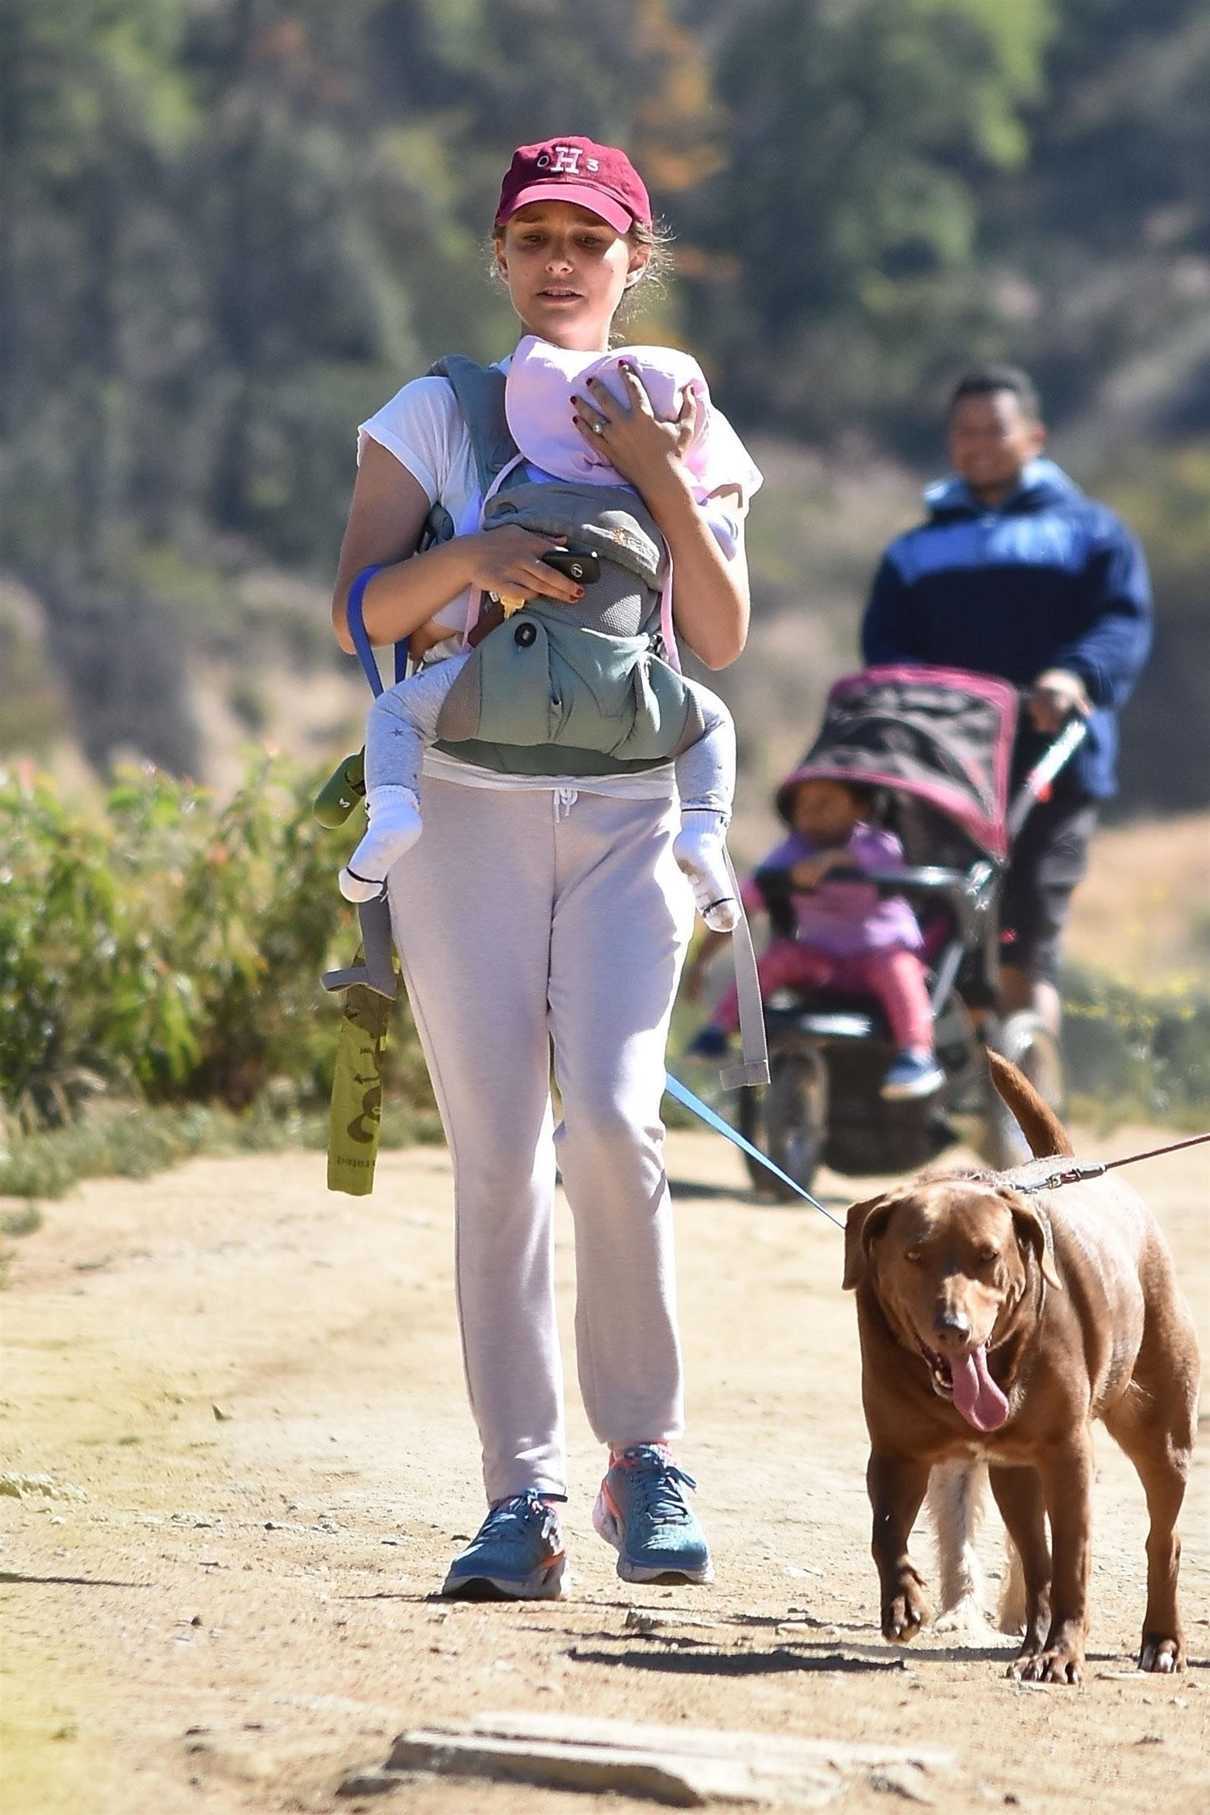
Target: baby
(847, 935)
(539, 387)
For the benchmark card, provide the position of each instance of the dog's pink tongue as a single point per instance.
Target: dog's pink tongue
(976, 1394)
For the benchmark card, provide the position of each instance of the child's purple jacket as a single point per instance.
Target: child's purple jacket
(845, 918)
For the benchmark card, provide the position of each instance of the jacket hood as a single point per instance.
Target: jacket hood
(1042, 484)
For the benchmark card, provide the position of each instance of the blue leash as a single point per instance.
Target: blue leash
(704, 1113)
(355, 618)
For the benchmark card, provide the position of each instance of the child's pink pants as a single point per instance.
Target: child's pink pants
(893, 976)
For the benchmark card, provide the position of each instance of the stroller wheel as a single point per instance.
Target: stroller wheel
(796, 1117)
(1026, 1041)
(750, 1121)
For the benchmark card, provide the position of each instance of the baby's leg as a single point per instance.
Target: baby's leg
(705, 779)
(402, 721)
(896, 977)
(785, 964)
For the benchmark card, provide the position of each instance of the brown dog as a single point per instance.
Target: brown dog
(996, 1323)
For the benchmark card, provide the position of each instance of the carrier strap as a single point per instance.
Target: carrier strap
(753, 1069)
(479, 393)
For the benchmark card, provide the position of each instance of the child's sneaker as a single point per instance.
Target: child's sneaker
(709, 1043)
(643, 1513)
(912, 1074)
(516, 1555)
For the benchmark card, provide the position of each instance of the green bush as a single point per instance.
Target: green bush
(1138, 1053)
(168, 947)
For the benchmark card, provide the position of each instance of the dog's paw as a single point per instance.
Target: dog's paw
(1056, 1664)
(1163, 1656)
(904, 1615)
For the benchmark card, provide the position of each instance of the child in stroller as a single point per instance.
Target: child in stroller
(847, 935)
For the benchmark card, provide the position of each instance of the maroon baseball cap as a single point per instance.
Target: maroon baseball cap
(597, 177)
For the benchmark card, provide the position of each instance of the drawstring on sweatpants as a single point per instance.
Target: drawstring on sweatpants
(564, 800)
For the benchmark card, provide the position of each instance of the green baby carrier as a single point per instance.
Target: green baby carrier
(557, 689)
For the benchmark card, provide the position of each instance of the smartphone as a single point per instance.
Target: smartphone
(580, 564)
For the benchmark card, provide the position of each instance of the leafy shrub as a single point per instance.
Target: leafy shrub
(1144, 1054)
(169, 946)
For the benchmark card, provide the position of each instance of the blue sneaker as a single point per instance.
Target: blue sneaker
(912, 1074)
(643, 1513)
(710, 1043)
(516, 1555)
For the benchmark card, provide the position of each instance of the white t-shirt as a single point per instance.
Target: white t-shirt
(427, 433)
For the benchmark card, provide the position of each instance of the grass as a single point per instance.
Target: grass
(134, 1141)
(21, 1222)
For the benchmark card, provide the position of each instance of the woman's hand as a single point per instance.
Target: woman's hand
(507, 562)
(709, 589)
(645, 451)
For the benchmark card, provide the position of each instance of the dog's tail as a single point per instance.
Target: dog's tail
(1036, 1120)
(957, 1498)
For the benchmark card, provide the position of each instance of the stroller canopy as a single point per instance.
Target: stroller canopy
(940, 734)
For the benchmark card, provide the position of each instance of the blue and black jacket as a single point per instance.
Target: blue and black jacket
(1047, 579)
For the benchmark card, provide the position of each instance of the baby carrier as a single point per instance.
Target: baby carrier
(597, 680)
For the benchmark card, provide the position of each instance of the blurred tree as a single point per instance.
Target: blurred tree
(298, 297)
(1109, 223)
(857, 137)
(93, 107)
(231, 228)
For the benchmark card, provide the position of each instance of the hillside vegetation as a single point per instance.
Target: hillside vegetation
(235, 226)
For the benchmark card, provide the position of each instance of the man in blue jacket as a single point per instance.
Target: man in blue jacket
(1016, 573)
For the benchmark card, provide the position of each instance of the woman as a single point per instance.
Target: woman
(535, 911)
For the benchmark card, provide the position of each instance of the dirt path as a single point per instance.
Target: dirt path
(258, 1389)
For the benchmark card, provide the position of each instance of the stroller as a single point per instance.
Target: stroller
(936, 743)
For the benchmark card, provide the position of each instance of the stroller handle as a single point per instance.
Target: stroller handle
(968, 893)
(919, 878)
(1052, 761)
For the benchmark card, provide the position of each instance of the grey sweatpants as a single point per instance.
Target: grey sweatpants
(526, 918)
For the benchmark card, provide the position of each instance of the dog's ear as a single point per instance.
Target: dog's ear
(1033, 1226)
(863, 1224)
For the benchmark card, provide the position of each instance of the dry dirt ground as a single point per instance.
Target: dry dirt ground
(257, 1388)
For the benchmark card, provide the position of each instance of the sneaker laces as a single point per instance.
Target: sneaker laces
(510, 1520)
(658, 1483)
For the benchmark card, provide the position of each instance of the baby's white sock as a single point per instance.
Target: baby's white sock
(701, 851)
(394, 827)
